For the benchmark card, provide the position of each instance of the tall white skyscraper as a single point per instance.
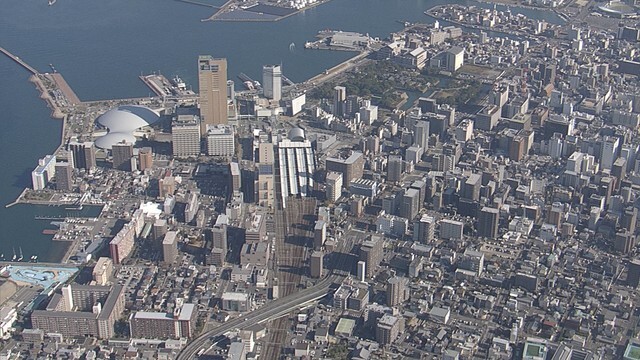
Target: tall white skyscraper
(272, 81)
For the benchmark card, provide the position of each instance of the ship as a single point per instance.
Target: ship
(179, 83)
(51, 2)
(34, 259)
(75, 208)
(14, 255)
(21, 257)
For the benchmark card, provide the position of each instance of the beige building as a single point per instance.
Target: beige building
(102, 271)
(212, 79)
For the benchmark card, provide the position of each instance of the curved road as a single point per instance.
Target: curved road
(270, 310)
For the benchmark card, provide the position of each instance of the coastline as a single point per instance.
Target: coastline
(224, 7)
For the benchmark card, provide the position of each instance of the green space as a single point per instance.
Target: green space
(383, 80)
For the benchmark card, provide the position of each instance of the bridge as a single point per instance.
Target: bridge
(20, 62)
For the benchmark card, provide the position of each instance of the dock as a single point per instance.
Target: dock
(199, 3)
(19, 61)
(155, 83)
(64, 87)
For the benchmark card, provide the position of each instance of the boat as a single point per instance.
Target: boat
(51, 2)
(34, 258)
(14, 255)
(21, 256)
(75, 208)
(179, 83)
(292, 47)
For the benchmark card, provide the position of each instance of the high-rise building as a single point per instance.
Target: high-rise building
(421, 134)
(45, 171)
(315, 264)
(410, 204)
(220, 140)
(361, 271)
(633, 273)
(488, 222)
(83, 155)
(371, 252)
(272, 82)
(166, 186)
(212, 80)
(351, 168)
(170, 247)
(451, 229)
(471, 189)
(236, 176)
(122, 153)
(102, 271)
(319, 234)
(455, 58)
(185, 136)
(334, 186)
(423, 230)
(388, 328)
(145, 158)
(394, 168)
(624, 242)
(472, 261)
(396, 290)
(339, 97)
(64, 176)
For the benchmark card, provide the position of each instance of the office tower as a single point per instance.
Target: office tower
(424, 230)
(339, 98)
(334, 186)
(427, 105)
(624, 242)
(396, 290)
(351, 168)
(83, 155)
(488, 222)
(361, 271)
(629, 219)
(185, 136)
(451, 229)
(64, 176)
(154, 325)
(145, 158)
(159, 229)
(272, 82)
(102, 271)
(633, 273)
(220, 140)
(421, 134)
(212, 80)
(236, 176)
(394, 168)
(371, 252)
(410, 204)
(170, 247)
(319, 234)
(122, 153)
(315, 264)
(471, 189)
(472, 261)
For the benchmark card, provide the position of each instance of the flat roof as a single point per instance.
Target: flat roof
(345, 326)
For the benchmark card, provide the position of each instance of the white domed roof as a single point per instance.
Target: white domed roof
(122, 121)
(296, 134)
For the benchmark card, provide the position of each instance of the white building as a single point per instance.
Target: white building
(220, 140)
(185, 136)
(45, 170)
(455, 58)
(451, 229)
(272, 82)
(334, 186)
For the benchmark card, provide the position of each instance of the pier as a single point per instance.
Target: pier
(199, 3)
(19, 61)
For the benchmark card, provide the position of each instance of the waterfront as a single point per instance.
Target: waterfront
(102, 47)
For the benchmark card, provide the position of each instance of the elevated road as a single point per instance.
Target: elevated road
(271, 310)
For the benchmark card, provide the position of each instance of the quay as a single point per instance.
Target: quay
(64, 87)
(347, 64)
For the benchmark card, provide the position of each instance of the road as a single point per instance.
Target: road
(269, 311)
